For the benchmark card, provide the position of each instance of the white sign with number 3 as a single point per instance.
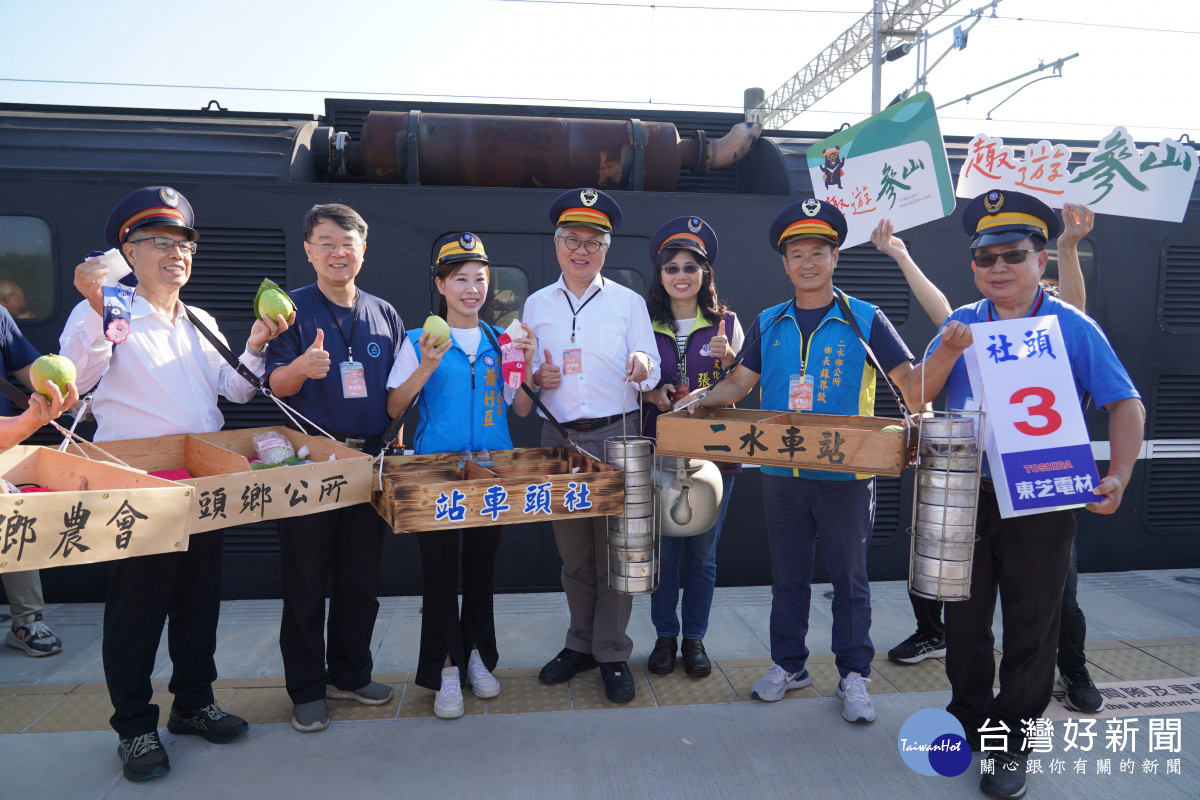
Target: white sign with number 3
(1037, 444)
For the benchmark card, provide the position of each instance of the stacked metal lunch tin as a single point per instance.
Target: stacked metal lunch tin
(947, 495)
(633, 539)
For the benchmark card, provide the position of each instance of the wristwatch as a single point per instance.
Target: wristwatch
(257, 353)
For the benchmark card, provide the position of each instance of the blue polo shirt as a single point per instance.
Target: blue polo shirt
(1096, 368)
(376, 339)
(16, 351)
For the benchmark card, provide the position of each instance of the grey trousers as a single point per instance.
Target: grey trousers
(24, 590)
(599, 616)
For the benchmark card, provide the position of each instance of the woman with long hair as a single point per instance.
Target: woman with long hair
(697, 335)
(463, 404)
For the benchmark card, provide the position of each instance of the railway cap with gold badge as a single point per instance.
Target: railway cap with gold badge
(808, 219)
(688, 233)
(585, 208)
(455, 247)
(1001, 216)
(149, 206)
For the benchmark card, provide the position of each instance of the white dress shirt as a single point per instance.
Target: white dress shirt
(609, 328)
(163, 379)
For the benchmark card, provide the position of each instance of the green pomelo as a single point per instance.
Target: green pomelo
(893, 428)
(59, 369)
(272, 301)
(437, 328)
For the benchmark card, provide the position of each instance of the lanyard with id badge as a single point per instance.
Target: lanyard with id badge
(572, 358)
(353, 373)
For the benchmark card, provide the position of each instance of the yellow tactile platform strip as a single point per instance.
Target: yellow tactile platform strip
(85, 706)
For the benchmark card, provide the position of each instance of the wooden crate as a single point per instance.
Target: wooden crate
(440, 491)
(804, 441)
(229, 492)
(98, 511)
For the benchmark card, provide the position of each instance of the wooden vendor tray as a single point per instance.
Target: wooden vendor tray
(825, 442)
(120, 513)
(433, 492)
(229, 492)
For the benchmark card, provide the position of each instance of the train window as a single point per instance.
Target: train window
(509, 290)
(628, 277)
(1087, 263)
(26, 267)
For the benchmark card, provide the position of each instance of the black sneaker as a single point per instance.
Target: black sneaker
(618, 682)
(1082, 694)
(210, 722)
(566, 665)
(36, 638)
(1007, 780)
(143, 757)
(916, 648)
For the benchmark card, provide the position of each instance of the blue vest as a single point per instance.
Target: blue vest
(843, 378)
(462, 404)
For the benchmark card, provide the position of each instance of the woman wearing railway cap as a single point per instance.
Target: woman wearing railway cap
(697, 336)
(462, 408)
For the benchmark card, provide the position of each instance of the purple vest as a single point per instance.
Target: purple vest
(702, 370)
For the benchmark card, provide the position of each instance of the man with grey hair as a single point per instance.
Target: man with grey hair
(598, 352)
(336, 322)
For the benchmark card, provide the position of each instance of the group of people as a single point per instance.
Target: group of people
(594, 352)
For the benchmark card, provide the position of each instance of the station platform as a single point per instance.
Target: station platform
(680, 737)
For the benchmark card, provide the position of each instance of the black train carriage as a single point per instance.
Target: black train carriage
(251, 177)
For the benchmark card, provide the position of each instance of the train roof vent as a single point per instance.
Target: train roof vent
(1179, 289)
(1173, 413)
(869, 275)
(228, 267)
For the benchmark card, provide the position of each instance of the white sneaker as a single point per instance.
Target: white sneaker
(483, 683)
(856, 703)
(776, 683)
(448, 704)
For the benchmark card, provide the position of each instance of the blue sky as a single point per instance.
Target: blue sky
(611, 52)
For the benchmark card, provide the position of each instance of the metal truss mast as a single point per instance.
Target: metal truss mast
(846, 56)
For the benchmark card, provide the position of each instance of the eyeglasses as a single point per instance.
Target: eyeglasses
(167, 244)
(325, 248)
(988, 260)
(687, 269)
(592, 246)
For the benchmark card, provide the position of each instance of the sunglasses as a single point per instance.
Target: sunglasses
(689, 269)
(988, 260)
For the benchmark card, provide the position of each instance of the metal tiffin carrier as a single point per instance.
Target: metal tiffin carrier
(945, 502)
(633, 536)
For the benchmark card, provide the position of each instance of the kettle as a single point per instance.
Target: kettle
(690, 492)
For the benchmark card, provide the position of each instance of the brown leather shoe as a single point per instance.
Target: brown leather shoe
(695, 660)
(662, 658)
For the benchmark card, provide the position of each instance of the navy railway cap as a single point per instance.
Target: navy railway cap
(1002, 216)
(455, 247)
(586, 208)
(688, 233)
(149, 206)
(808, 219)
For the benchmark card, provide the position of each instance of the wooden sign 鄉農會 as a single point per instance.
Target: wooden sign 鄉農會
(92, 512)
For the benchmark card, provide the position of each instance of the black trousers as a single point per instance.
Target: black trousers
(1026, 560)
(142, 593)
(342, 550)
(1072, 631)
(443, 629)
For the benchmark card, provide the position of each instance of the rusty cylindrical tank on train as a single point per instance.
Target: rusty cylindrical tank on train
(524, 152)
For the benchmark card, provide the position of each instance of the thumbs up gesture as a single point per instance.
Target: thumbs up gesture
(549, 375)
(719, 344)
(314, 360)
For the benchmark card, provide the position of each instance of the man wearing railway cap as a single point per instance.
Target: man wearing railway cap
(163, 379)
(810, 356)
(1023, 558)
(597, 351)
